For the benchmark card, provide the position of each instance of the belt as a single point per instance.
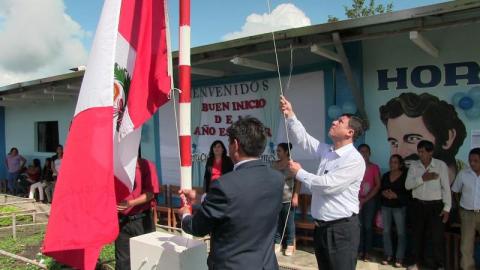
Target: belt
(125, 219)
(472, 210)
(321, 223)
(429, 202)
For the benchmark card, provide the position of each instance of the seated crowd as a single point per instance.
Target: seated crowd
(28, 181)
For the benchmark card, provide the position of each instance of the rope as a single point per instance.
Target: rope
(291, 67)
(284, 117)
(172, 96)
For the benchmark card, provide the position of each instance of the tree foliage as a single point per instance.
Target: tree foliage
(360, 8)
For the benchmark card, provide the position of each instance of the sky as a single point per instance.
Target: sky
(40, 38)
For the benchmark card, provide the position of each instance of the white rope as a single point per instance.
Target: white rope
(172, 97)
(291, 68)
(284, 118)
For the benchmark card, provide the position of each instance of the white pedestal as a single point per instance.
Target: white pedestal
(166, 251)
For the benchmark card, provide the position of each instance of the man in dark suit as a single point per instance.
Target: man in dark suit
(241, 209)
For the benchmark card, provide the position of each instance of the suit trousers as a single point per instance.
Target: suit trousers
(366, 217)
(336, 244)
(128, 230)
(427, 220)
(470, 224)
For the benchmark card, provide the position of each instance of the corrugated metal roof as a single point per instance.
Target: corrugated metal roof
(261, 46)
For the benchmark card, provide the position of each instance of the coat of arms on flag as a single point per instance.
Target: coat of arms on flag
(121, 85)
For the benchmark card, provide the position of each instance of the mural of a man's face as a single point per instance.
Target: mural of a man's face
(404, 133)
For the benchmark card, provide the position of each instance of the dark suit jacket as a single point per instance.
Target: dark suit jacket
(240, 213)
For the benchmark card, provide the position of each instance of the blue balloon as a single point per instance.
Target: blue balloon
(456, 98)
(474, 93)
(349, 107)
(334, 112)
(473, 113)
(465, 103)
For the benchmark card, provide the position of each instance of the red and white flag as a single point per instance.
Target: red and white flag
(128, 77)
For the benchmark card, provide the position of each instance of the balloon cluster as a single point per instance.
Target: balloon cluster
(272, 147)
(335, 111)
(469, 102)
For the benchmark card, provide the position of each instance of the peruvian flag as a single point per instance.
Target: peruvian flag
(128, 77)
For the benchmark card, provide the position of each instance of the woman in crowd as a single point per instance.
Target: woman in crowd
(34, 173)
(57, 161)
(394, 201)
(56, 164)
(368, 191)
(286, 221)
(218, 163)
(14, 163)
(47, 178)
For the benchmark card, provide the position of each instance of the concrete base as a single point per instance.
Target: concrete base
(159, 250)
(304, 259)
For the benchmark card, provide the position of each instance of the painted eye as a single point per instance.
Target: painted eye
(393, 143)
(413, 139)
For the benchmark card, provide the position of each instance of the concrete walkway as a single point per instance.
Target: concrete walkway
(304, 259)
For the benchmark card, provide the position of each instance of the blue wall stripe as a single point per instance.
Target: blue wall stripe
(329, 97)
(3, 150)
(156, 132)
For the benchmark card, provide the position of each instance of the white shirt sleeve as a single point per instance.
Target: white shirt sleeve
(458, 184)
(413, 180)
(445, 183)
(300, 136)
(334, 182)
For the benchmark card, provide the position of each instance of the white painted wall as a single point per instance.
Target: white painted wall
(20, 125)
(20, 128)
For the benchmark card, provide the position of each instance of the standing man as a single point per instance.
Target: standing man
(468, 184)
(335, 187)
(428, 180)
(241, 208)
(134, 209)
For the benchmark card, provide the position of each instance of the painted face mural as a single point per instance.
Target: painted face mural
(404, 133)
(411, 118)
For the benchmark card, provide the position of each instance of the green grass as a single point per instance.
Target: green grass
(24, 240)
(7, 221)
(107, 256)
(108, 253)
(17, 247)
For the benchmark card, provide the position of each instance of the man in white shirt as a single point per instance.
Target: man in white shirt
(468, 184)
(334, 188)
(427, 178)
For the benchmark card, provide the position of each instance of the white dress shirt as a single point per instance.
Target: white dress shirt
(467, 183)
(336, 184)
(436, 189)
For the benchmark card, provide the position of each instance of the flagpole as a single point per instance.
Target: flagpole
(185, 96)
